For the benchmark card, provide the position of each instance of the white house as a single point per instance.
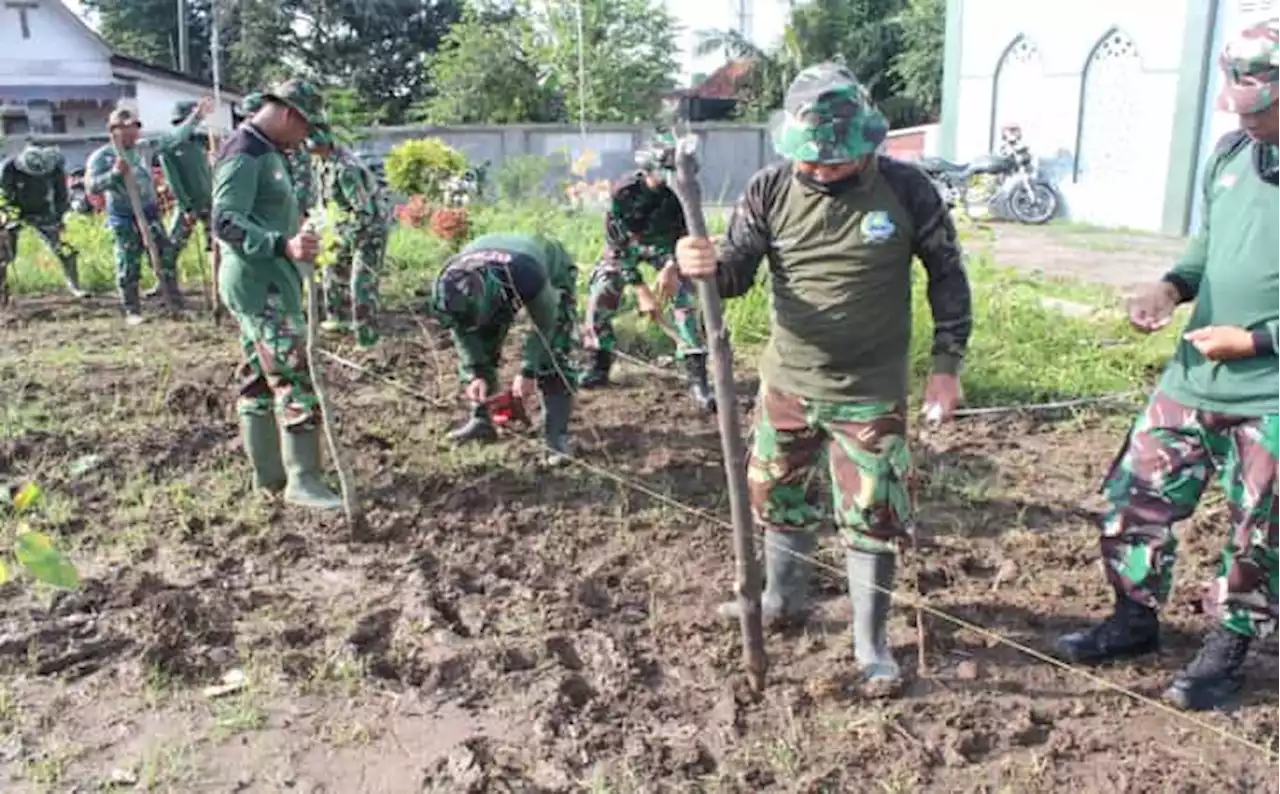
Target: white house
(1115, 96)
(58, 77)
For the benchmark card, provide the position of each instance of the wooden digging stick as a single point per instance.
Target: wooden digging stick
(215, 255)
(747, 580)
(135, 202)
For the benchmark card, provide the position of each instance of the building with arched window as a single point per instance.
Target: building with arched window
(1115, 97)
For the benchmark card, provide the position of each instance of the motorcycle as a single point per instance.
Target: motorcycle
(1030, 198)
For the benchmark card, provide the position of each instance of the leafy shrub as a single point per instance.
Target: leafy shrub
(520, 177)
(422, 166)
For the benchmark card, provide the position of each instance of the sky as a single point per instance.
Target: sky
(767, 19)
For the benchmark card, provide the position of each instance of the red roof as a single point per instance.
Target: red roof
(722, 83)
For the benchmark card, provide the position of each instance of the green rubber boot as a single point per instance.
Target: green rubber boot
(558, 407)
(261, 439)
(306, 486)
(871, 578)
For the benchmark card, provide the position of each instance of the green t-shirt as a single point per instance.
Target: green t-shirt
(840, 264)
(186, 170)
(254, 215)
(1231, 269)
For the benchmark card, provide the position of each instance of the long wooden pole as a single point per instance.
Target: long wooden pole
(747, 584)
(135, 203)
(215, 254)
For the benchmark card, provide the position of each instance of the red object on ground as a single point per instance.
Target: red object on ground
(505, 408)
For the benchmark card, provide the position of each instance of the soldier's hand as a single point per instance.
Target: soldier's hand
(696, 257)
(1151, 308)
(645, 303)
(302, 247)
(523, 388)
(204, 107)
(122, 166)
(477, 391)
(1222, 342)
(668, 281)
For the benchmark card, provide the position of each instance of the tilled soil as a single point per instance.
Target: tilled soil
(499, 626)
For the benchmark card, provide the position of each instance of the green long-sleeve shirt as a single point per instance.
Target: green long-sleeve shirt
(1231, 269)
(36, 199)
(537, 270)
(254, 215)
(840, 259)
(186, 170)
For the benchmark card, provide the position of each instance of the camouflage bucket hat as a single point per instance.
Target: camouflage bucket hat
(461, 299)
(1250, 64)
(182, 111)
(252, 103)
(122, 117)
(828, 117)
(37, 160)
(302, 97)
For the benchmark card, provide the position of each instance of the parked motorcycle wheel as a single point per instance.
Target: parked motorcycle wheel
(1035, 209)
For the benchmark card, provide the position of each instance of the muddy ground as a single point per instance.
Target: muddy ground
(498, 627)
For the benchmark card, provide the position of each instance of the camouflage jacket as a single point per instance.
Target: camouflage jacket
(642, 217)
(102, 178)
(302, 172)
(345, 181)
(33, 199)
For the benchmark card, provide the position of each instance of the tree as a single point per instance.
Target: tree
(918, 65)
(487, 73)
(148, 30)
(761, 90)
(629, 50)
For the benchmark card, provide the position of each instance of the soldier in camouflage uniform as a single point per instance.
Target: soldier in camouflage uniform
(351, 283)
(186, 171)
(300, 166)
(33, 192)
(478, 295)
(839, 225)
(266, 261)
(644, 221)
(106, 172)
(1215, 407)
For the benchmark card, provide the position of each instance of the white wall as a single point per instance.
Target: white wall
(1065, 34)
(59, 52)
(156, 98)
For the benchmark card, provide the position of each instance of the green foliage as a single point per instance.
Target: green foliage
(630, 52)
(895, 47)
(421, 167)
(347, 115)
(488, 73)
(520, 178)
(34, 551)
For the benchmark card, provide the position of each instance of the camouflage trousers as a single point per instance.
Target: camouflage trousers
(130, 251)
(1167, 460)
(351, 282)
(182, 224)
(50, 231)
(604, 299)
(864, 448)
(274, 374)
(560, 373)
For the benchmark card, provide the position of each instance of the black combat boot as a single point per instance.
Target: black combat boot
(1132, 629)
(1214, 675)
(598, 376)
(478, 428)
(702, 393)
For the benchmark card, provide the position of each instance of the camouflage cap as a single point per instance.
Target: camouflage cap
(300, 95)
(252, 103)
(828, 117)
(183, 110)
(122, 117)
(1250, 64)
(38, 160)
(321, 135)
